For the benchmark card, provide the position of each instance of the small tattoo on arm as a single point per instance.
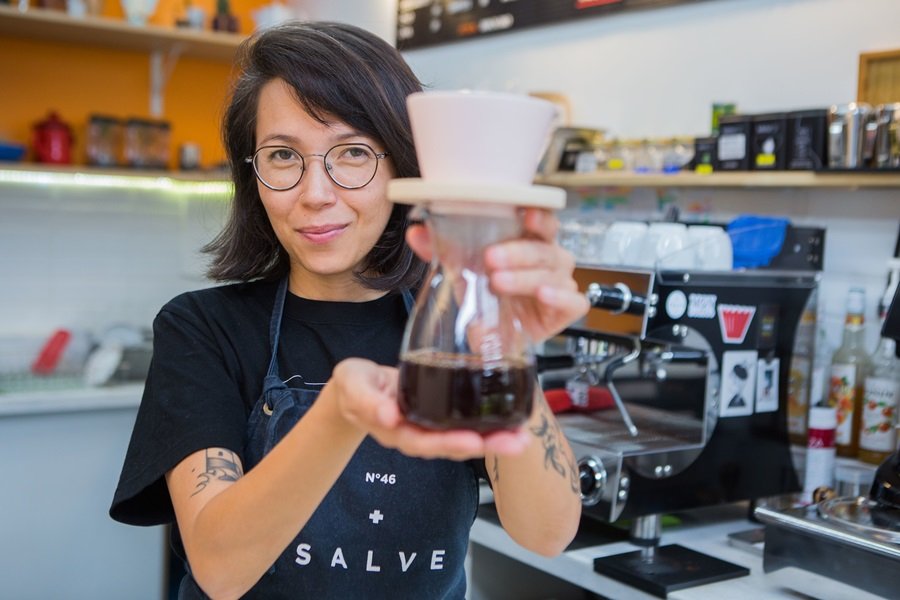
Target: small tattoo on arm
(555, 457)
(496, 470)
(221, 465)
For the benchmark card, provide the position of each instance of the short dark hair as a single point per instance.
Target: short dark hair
(334, 69)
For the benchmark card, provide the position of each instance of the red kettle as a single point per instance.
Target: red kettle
(52, 141)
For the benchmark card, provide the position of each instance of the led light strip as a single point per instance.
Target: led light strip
(110, 181)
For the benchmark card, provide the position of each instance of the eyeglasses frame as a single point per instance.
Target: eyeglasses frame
(252, 160)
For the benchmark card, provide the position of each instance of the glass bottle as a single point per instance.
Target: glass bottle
(849, 367)
(800, 377)
(465, 360)
(818, 385)
(881, 392)
(223, 19)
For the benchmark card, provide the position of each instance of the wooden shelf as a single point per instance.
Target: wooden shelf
(733, 179)
(749, 180)
(58, 26)
(120, 172)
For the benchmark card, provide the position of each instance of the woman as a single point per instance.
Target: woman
(350, 500)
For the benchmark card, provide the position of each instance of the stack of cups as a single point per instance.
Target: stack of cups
(711, 246)
(666, 246)
(622, 243)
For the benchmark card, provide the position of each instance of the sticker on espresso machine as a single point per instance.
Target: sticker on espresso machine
(738, 383)
(734, 321)
(702, 306)
(767, 385)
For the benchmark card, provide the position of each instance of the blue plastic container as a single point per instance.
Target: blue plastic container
(756, 240)
(11, 152)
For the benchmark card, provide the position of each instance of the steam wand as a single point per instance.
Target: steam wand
(618, 363)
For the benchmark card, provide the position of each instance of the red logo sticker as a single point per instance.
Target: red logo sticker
(734, 321)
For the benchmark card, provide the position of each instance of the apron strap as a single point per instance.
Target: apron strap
(275, 326)
(408, 299)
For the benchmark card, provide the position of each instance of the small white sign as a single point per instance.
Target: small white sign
(767, 385)
(738, 383)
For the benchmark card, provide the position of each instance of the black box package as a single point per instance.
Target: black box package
(732, 150)
(768, 142)
(704, 154)
(807, 139)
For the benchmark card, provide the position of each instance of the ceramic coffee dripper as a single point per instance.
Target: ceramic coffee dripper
(466, 361)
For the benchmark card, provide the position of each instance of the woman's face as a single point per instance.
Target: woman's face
(325, 229)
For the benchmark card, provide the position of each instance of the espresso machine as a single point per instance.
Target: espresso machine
(695, 368)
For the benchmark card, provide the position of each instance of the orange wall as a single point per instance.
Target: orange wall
(79, 80)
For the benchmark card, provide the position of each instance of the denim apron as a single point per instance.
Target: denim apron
(391, 526)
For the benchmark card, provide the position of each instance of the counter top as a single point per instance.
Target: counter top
(704, 531)
(71, 400)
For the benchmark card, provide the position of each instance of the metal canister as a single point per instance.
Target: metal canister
(857, 119)
(836, 135)
(887, 146)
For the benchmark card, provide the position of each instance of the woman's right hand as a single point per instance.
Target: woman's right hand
(366, 396)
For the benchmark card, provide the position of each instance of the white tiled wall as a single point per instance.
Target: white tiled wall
(88, 258)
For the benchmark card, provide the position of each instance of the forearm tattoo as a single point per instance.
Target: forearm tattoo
(555, 457)
(221, 465)
(496, 473)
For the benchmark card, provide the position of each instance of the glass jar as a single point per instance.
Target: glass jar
(104, 141)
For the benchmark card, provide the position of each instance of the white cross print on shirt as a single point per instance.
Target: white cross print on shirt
(376, 516)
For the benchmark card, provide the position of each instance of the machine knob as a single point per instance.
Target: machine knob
(617, 299)
(592, 480)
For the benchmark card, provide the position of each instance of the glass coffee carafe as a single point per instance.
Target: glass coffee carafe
(466, 362)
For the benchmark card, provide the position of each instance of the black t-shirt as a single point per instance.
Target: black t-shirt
(211, 353)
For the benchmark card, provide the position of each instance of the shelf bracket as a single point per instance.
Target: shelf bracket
(162, 63)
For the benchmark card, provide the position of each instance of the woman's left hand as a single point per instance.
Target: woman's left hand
(534, 270)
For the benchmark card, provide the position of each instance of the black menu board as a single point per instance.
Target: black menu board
(429, 22)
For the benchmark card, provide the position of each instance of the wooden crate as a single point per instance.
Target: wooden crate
(879, 77)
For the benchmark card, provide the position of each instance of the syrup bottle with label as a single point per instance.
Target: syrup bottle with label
(881, 394)
(877, 436)
(850, 365)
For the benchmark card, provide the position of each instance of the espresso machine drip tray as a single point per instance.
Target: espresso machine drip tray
(658, 431)
(848, 539)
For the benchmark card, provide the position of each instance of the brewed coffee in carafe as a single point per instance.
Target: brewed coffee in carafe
(466, 361)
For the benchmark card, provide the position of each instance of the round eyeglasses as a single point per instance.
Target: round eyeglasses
(350, 166)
